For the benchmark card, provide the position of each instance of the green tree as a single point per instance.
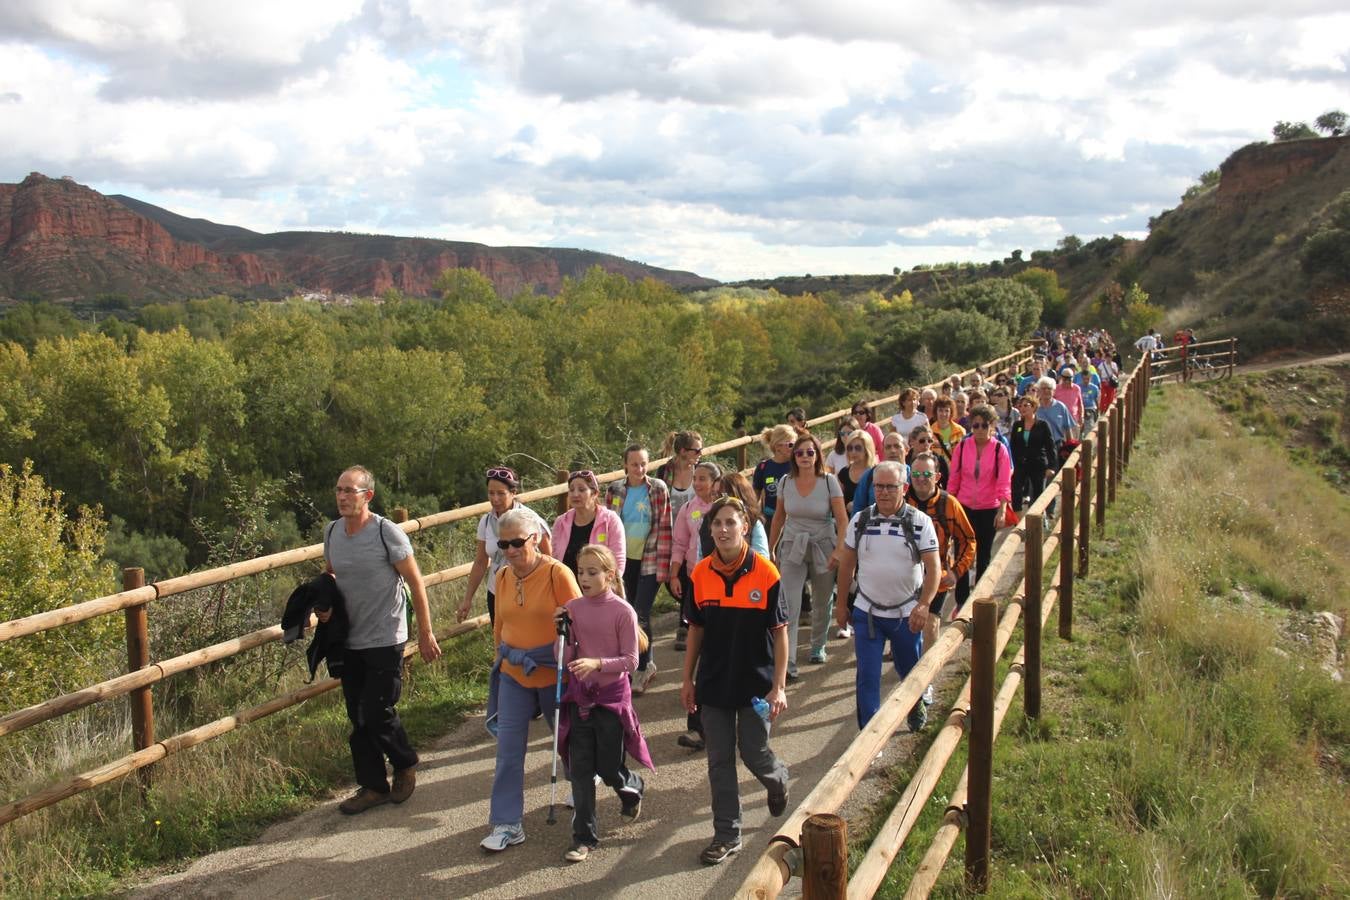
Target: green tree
(1070, 243)
(50, 560)
(1012, 304)
(1054, 299)
(29, 323)
(102, 431)
(1326, 253)
(1332, 122)
(1207, 180)
(19, 404)
(1292, 131)
(455, 286)
(1140, 314)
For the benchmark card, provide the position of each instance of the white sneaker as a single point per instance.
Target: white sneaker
(570, 801)
(503, 836)
(844, 633)
(643, 677)
(928, 695)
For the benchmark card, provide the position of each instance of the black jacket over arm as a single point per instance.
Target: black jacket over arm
(330, 638)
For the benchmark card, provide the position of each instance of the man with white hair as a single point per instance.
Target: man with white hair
(894, 549)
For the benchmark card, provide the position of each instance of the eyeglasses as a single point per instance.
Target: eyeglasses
(913, 474)
(502, 543)
(805, 452)
(501, 474)
(343, 489)
(923, 440)
(885, 488)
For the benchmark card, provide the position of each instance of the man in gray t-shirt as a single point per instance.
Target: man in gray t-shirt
(371, 559)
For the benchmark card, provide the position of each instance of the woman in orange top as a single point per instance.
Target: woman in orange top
(529, 589)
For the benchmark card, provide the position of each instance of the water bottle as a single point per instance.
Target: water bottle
(761, 706)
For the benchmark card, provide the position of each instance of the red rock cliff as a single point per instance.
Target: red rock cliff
(1261, 167)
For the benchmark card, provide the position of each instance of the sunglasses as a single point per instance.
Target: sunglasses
(858, 447)
(913, 474)
(979, 426)
(514, 542)
(501, 474)
(805, 452)
(581, 473)
(885, 488)
(922, 440)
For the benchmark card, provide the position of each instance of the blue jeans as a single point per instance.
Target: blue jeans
(906, 648)
(515, 708)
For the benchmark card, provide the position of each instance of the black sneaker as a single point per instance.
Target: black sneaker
(690, 741)
(777, 800)
(717, 852)
(631, 810)
(681, 638)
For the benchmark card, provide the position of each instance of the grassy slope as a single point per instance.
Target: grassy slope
(1188, 748)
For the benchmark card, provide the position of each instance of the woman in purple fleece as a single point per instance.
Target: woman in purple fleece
(599, 726)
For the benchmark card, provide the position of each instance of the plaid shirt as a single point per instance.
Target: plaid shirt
(660, 540)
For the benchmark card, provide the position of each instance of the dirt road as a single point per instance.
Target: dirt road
(429, 846)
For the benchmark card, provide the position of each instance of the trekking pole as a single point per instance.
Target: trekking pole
(563, 623)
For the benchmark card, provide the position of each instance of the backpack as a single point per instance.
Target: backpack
(908, 526)
(961, 444)
(402, 584)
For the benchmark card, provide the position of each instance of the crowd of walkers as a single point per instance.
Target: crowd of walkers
(870, 531)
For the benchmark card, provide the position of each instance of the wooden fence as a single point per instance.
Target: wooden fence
(798, 847)
(1186, 363)
(142, 674)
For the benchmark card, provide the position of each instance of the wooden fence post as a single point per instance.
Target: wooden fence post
(979, 802)
(1034, 560)
(138, 657)
(741, 463)
(1084, 506)
(560, 477)
(400, 514)
(1103, 454)
(1116, 459)
(1232, 355)
(825, 857)
(1127, 427)
(1066, 527)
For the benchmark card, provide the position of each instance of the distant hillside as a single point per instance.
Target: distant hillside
(1229, 260)
(60, 239)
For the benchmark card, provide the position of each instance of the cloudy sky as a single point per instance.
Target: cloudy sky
(734, 138)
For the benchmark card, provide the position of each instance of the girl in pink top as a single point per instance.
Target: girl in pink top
(686, 551)
(587, 521)
(600, 726)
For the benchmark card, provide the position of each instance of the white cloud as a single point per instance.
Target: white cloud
(729, 139)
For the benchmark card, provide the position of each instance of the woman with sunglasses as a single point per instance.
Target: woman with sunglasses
(531, 586)
(1001, 400)
(922, 440)
(684, 448)
(981, 479)
(488, 560)
(588, 522)
(770, 472)
(862, 456)
(863, 413)
(837, 458)
(806, 532)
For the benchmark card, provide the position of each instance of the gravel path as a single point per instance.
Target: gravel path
(428, 847)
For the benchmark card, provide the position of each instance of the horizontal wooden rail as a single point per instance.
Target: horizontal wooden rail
(168, 746)
(888, 841)
(79, 612)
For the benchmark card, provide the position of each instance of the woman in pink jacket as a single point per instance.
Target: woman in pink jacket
(587, 521)
(687, 550)
(981, 479)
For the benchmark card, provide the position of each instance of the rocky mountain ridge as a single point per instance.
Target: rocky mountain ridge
(61, 239)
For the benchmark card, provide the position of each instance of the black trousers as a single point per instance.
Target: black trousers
(1027, 481)
(372, 681)
(595, 747)
(982, 521)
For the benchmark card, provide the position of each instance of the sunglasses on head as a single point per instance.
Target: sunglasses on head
(514, 542)
(501, 473)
